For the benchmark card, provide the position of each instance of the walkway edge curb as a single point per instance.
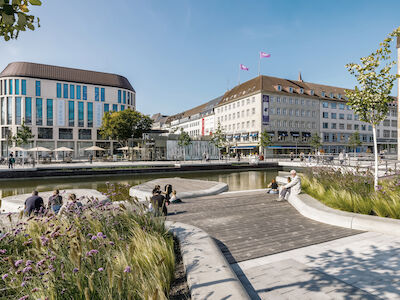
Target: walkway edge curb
(209, 275)
(315, 210)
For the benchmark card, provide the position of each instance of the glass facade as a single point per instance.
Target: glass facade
(39, 111)
(37, 88)
(58, 90)
(72, 91)
(124, 99)
(119, 96)
(45, 133)
(115, 107)
(28, 110)
(71, 114)
(84, 92)
(122, 107)
(65, 134)
(49, 112)
(85, 134)
(78, 92)
(10, 86)
(81, 120)
(96, 94)
(16, 86)
(90, 114)
(3, 111)
(103, 94)
(65, 92)
(106, 107)
(18, 114)
(23, 87)
(9, 110)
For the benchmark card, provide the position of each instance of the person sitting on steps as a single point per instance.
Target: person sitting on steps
(273, 187)
(293, 187)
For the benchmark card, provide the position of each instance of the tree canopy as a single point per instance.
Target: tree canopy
(14, 17)
(184, 139)
(123, 125)
(23, 135)
(218, 137)
(315, 141)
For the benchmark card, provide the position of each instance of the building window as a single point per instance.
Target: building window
(17, 110)
(72, 91)
(123, 108)
(301, 90)
(65, 134)
(333, 126)
(78, 92)
(341, 106)
(331, 95)
(115, 107)
(16, 86)
(386, 133)
(340, 97)
(85, 134)
(386, 122)
(28, 110)
(278, 111)
(106, 107)
(96, 94)
(49, 112)
(103, 94)
(363, 127)
(5, 87)
(90, 114)
(9, 110)
(39, 111)
(58, 90)
(323, 94)
(394, 133)
(124, 98)
(333, 105)
(369, 128)
(312, 92)
(355, 117)
(65, 94)
(325, 115)
(333, 115)
(349, 117)
(313, 114)
(394, 123)
(81, 121)
(356, 127)
(23, 87)
(341, 116)
(71, 114)
(325, 125)
(84, 92)
(341, 126)
(10, 86)
(290, 90)
(278, 99)
(119, 96)
(279, 87)
(45, 133)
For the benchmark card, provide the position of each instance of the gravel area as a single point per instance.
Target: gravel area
(179, 288)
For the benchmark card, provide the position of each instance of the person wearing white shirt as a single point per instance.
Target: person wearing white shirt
(293, 187)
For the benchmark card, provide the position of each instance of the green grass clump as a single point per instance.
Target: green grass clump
(353, 192)
(101, 252)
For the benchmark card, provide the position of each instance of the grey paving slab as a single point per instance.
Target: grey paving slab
(253, 224)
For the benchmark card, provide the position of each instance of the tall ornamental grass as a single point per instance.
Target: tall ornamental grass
(99, 252)
(353, 191)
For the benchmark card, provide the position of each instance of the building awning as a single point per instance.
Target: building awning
(306, 134)
(243, 147)
(245, 135)
(282, 133)
(271, 133)
(237, 136)
(289, 147)
(229, 136)
(295, 133)
(254, 134)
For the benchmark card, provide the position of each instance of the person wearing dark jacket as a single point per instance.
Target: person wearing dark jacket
(34, 204)
(159, 204)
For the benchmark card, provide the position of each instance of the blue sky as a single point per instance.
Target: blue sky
(179, 53)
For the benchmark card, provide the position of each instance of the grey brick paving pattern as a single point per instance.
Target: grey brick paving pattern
(253, 224)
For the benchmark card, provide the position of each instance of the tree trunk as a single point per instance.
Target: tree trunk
(376, 157)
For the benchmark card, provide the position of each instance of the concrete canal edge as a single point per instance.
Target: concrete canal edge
(315, 210)
(209, 275)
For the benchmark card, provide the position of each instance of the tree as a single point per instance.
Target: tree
(265, 140)
(184, 140)
(14, 17)
(354, 141)
(218, 138)
(23, 135)
(123, 125)
(315, 141)
(370, 99)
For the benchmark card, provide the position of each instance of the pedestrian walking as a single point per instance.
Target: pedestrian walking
(291, 156)
(11, 161)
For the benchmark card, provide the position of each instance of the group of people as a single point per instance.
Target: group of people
(293, 186)
(161, 199)
(35, 204)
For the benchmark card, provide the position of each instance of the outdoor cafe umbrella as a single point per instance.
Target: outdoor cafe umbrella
(17, 149)
(63, 149)
(94, 149)
(123, 148)
(38, 149)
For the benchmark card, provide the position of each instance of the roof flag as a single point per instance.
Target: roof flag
(263, 54)
(243, 67)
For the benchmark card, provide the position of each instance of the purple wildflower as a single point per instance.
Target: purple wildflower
(75, 270)
(3, 251)
(4, 276)
(40, 263)
(53, 258)
(127, 269)
(23, 283)
(26, 269)
(112, 243)
(94, 237)
(100, 269)
(34, 290)
(28, 263)
(24, 297)
(18, 262)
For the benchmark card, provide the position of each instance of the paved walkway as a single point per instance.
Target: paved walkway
(279, 254)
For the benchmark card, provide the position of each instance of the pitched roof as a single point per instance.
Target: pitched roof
(34, 70)
(287, 87)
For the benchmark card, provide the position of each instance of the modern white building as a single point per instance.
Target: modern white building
(62, 106)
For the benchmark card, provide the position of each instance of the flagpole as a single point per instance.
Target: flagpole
(239, 76)
(259, 63)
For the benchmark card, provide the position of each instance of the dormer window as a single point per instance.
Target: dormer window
(331, 95)
(312, 92)
(339, 96)
(290, 90)
(301, 90)
(279, 87)
(323, 94)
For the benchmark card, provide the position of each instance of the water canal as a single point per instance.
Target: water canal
(243, 180)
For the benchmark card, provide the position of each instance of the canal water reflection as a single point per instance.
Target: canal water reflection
(245, 180)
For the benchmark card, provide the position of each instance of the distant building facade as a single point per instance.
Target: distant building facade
(62, 106)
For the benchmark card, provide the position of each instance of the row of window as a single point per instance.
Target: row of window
(336, 137)
(126, 97)
(295, 101)
(237, 115)
(13, 87)
(292, 112)
(342, 126)
(335, 105)
(64, 134)
(6, 111)
(293, 124)
(236, 104)
(238, 126)
(325, 115)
